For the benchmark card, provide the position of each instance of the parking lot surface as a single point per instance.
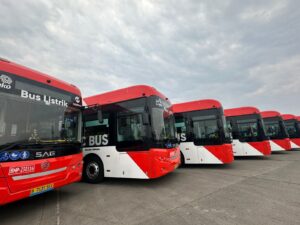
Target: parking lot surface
(249, 191)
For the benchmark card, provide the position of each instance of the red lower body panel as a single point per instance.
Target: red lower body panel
(72, 174)
(223, 152)
(284, 143)
(262, 146)
(157, 162)
(296, 141)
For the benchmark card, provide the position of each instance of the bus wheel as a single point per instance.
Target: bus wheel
(93, 171)
(182, 161)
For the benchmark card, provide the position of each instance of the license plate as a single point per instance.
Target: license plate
(41, 189)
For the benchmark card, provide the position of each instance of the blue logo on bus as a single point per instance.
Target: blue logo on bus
(4, 156)
(169, 145)
(14, 156)
(24, 155)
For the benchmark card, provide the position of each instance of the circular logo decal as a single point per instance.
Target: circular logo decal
(24, 155)
(14, 156)
(5, 79)
(45, 165)
(4, 156)
(77, 99)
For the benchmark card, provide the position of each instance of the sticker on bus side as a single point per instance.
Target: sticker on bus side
(21, 170)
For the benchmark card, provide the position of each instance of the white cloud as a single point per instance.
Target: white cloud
(186, 49)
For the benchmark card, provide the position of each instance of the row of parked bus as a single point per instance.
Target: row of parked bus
(50, 137)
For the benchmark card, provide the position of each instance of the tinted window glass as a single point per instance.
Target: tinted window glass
(130, 127)
(23, 120)
(204, 127)
(292, 128)
(275, 128)
(247, 128)
(96, 133)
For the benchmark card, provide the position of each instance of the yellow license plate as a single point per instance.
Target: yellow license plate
(41, 189)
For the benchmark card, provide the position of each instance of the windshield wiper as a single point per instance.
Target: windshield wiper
(16, 143)
(27, 143)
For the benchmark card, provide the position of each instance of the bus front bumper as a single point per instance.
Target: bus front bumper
(74, 174)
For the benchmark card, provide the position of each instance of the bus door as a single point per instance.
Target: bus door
(98, 140)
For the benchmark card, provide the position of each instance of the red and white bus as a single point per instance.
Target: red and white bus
(129, 133)
(249, 136)
(276, 131)
(292, 125)
(40, 120)
(202, 132)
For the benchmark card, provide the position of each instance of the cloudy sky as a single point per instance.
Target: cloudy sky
(240, 52)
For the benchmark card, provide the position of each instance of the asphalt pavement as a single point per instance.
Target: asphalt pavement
(260, 190)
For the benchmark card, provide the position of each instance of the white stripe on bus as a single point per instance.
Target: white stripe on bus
(35, 175)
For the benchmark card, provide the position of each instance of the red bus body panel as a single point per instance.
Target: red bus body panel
(157, 162)
(296, 141)
(12, 190)
(31, 74)
(241, 111)
(283, 143)
(123, 94)
(196, 105)
(262, 146)
(223, 152)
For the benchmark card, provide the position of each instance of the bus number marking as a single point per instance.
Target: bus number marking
(21, 170)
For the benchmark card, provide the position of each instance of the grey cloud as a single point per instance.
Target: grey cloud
(234, 51)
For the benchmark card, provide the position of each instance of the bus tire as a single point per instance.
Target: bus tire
(93, 170)
(182, 160)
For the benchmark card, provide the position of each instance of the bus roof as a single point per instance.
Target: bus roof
(249, 110)
(123, 94)
(288, 117)
(31, 74)
(298, 118)
(269, 114)
(196, 105)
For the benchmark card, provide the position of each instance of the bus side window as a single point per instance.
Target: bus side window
(130, 127)
(96, 133)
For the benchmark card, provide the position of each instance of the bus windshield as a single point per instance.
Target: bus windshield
(162, 121)
(275, 128)
(292, 128)
(205, 127)
(247, 128)
(27, 120)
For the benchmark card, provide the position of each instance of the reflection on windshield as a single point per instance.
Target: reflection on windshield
(292, 129)
(205, 127)
(275, 128)
(163, 124)
(22, 119)
(248, 128)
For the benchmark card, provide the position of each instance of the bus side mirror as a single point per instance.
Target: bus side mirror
(145, 118)
(100, 116)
